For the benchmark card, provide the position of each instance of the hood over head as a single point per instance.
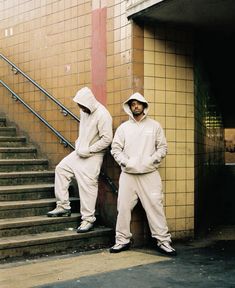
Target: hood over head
(136, 96)
(86, 98)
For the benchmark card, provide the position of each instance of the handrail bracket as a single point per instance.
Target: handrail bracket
(64, 112)
(14, 70)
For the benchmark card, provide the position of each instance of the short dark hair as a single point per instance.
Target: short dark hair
(131, 100)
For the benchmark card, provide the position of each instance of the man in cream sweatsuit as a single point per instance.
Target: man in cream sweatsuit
(138, 147)
(95, 135)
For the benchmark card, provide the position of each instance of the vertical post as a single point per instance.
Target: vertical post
(98, 51)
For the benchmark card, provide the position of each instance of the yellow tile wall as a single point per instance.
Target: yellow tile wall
(161, 67)
(51, 42)
(120, 57)
(168, 86)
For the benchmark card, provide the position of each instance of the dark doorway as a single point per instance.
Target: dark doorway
(214, 201)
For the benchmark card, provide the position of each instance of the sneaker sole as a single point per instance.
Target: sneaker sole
(59, 215)
(119, 250)
(84, 231)
(173, 253)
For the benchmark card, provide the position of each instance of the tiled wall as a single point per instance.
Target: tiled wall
(119, 59)
(51, 40)
(123, 78)
(169, 87)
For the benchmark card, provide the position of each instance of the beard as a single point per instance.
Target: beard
(137, 112)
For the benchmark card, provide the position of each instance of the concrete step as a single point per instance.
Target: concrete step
(7, 131)
(27, 208)
(53, 242)
(26, 195)
(17, 152)
(24, 192)
(10, 141)
(26, 177)
(37, 224)
(23, 164)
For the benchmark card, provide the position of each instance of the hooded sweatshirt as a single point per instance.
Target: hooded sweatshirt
(139, 146)
(95, 131)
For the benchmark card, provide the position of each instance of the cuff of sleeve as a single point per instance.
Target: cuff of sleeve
(123, 162)
(83, 153)
(91, 150)
(156, 160)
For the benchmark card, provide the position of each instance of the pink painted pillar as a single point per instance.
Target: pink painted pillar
(98, 54)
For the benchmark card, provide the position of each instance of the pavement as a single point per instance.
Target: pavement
(200, 263)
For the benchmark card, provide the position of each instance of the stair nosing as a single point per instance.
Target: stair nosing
(36, 220)
(49, 237)
(22, 161)
(17, 149)
(25, 173)
(29, 187)
(7, 127)
(5, 137)
(16, 204)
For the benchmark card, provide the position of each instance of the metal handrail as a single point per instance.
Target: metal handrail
(64, 110)
(17, 97)
(63, 140)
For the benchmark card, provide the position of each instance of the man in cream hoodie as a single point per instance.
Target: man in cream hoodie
(138, 147)
(95, 136)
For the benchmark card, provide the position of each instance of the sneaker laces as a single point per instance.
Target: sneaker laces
(117, 246)
(166, 246)
(84, 223)
(59, 209)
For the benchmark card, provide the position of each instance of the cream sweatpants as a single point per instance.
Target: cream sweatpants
(148, 188)
(86, 172)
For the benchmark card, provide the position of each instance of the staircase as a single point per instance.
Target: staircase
(26, 195)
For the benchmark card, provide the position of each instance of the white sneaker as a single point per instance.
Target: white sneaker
(119, 248)
(58, 212)
(85, 226)
(165, 248)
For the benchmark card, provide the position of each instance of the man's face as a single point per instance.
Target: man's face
(84, 109)
(137, 108)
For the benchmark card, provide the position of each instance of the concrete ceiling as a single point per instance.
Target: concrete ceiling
(197, 14)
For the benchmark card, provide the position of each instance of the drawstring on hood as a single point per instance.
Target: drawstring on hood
(86, 98)
(136, 96)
